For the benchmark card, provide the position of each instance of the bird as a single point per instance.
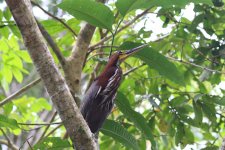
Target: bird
(99, 99)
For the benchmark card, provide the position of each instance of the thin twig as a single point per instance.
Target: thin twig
(56, 18)
(121, 29)
(133, 69)
(104, 46)
(10, 144)
(52, 131)
(193, 64)
(53, 45)
(17, 93)
(29, 145)
(46, 129)
(24, 143)
(39, 124)
(4, 142)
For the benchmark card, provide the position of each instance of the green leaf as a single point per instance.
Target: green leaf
(209, 111)
(124, 6)
(7, 14)
(8, 108)
(123, 104)
(52, 143)
(178, 101)
(40, 104)
(1, 14)
(94, 13)
(7, 73)
(119, 133)
(17, 74)
(5, 84)
(157, 61)
(52, 26)
(211, 147)
(8, 123)
(198, 112)
(179, 134)
(24, 56)
(219, 101)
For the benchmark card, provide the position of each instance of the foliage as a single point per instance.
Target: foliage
(172, 93)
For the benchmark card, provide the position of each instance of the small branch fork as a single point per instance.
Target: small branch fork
(56, 18)
(9, 143)
(55, 84)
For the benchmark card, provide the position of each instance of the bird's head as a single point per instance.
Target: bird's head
(120, 56)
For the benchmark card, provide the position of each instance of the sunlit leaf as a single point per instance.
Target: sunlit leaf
(124, 6)
(18, 75)
(135, 117)
(24, 56)
(198, 112)
(157, 61)
(119, 133)
(7, 122)
(7, 72)
(180, 133)
(93, 12)
(52, 143)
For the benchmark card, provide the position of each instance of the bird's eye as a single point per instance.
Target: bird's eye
(119, 52)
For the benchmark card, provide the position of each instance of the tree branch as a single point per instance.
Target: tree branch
(54, 17)
(57, 89)
(9, 142)
(17, 93)
(4, 142)
(92, 47)
(223, 145)
(74, 65)
(53, 45)
(195, 65)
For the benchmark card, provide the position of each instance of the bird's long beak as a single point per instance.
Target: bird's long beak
(126, 54)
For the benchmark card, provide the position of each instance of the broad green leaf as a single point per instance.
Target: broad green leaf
(15, 30)
(94, 13)
(1, 14)
(123, 104)
(211, 147)
(7, 73)
(198, 112)
(13, 44)
(4, 45)
(18, 75)
(8, 123)
(209, 111)
(8, 108)
(5, 84)
(52, 26)
(124, 6)
(178, 101)
(4, 32)
(40, 104)
(180, 133)
(188, 138)
(219, 101)
(119, 133)
(7, 14)
(157, 61)
(24, 56)
(52, 143)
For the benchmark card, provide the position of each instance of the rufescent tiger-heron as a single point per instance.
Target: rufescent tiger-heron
(99, 98)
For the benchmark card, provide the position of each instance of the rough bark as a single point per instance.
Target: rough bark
(49, 73)
(223, 144)
(74, 64)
